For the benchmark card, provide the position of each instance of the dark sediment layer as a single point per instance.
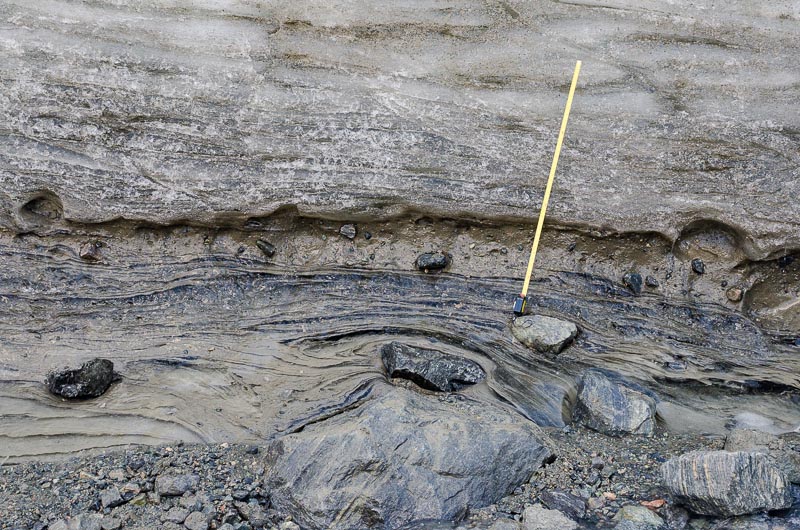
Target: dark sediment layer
(217, 344)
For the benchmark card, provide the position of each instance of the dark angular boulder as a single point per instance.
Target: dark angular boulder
(401, 457)
(724, 484)
(91, 380)
(266, 247)
(430, 369)
(432, 261)
(563, 501)
(633, 281)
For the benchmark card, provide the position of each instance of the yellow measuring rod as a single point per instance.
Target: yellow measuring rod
(520, 303)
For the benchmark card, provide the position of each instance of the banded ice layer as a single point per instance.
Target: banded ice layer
(214, 112)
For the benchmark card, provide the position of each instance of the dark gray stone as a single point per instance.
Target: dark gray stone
(175, 485)
(92, 379)
(757, 522)
(177, 515)
(266, 247)
(633, 281)
(502, 524)
(196, 521)
(349, 231)
(193, 503)
(110, 497)
(110, 523)
(613, 406)
(537, 517)
(570, 504)
(723, 483)
(429, 524)
(698, 266)
(90, 251)
(252, 513)
(753, 440)
(129, 490)
(651, 281)
(734, 294)
(402, 457)
(544, 334)
(632, 517)
(430, 369)
(84, 521)
(676, 517)
(432, 261)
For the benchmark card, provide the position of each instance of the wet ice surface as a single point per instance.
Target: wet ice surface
(219, 349)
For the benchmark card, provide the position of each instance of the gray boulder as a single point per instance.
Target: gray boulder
(252, 513)
(349, 231)
(499, 524)
(613, 406)
(84, 521)
(723, 483)
(633, 281)
(752, 440)
(110, 523)
(196, 521)
(176, 485)
(402, 457)
(757, 522)
(430, 369)
(432, 261)
(633, 517)
(92, 379)
(110, 497)
(544, 334)
(266, 247)
(676, 517)
(176, 515)
(504, 524)
(537, 517)
(572, 505)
